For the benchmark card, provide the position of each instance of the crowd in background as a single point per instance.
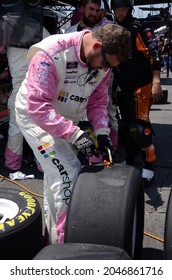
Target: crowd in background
(166, 50)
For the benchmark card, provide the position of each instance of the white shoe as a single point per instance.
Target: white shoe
(147, 174)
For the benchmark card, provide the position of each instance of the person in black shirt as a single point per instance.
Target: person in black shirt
(138, 82)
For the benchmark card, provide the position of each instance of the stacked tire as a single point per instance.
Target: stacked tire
(20, 225)
(107, 208)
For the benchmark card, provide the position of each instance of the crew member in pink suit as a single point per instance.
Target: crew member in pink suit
(68, 75)
(18, 66)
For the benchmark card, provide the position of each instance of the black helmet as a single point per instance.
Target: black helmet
(121, 3)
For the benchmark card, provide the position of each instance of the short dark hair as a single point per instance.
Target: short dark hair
(115, 39)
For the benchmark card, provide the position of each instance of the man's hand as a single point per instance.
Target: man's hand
(105, 143)
(156, 91)
(86, 145)
(156, 86)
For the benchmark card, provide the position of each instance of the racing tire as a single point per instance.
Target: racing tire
(78, 251)
(20, 225)
(107, 207)
(168, 230)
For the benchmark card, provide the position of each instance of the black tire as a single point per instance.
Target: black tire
(71, 251)
(107, 208)
(168, 230)
(20, 225)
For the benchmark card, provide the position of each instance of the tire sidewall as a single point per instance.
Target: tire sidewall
(28, 208)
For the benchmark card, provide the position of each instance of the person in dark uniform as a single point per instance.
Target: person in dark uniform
(138, 82)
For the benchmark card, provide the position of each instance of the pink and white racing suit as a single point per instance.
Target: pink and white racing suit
(51, 101)
(18, 66)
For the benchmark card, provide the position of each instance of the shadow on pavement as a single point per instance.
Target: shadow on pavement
(152, 254)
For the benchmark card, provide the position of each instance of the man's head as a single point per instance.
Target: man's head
(110, 45)
(90, 10)
(121, 8)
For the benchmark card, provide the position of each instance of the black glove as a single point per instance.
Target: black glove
(104, 143)
(86, 145)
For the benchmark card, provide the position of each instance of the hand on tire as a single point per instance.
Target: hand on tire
(105, 143)
(86, 145)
